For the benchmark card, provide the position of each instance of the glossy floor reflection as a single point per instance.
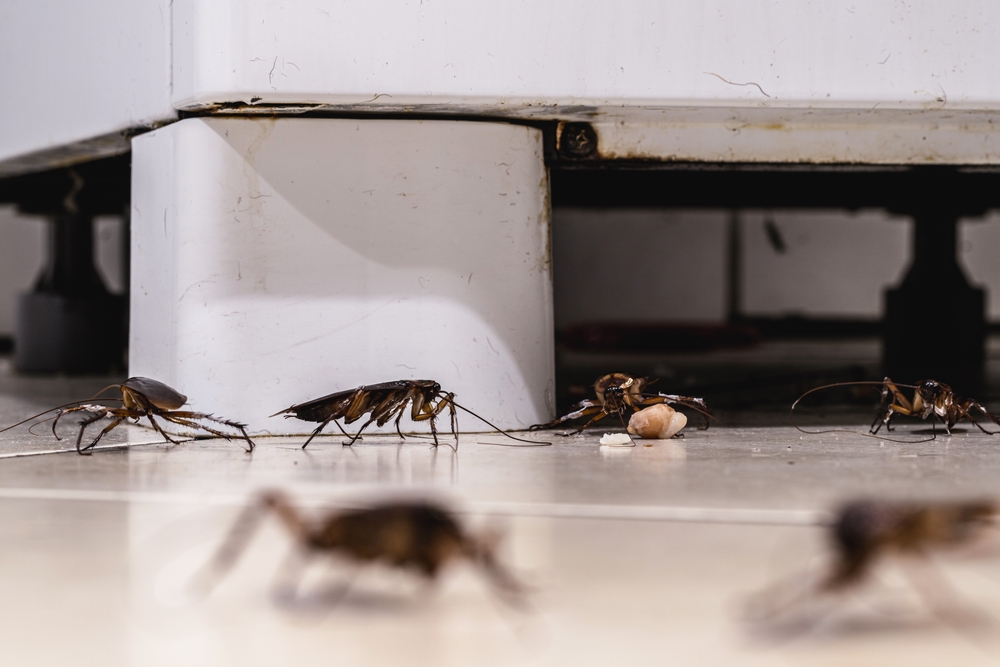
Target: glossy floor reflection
(643, 555)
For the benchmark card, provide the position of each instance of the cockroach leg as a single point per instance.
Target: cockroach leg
(87, 422)
(593, 420)
(159, 429)
(357, 435)
(399, 415)
(186, 419)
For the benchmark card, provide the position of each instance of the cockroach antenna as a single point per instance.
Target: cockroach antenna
(531, 443)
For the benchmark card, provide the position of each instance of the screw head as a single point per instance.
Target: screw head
(577, 140)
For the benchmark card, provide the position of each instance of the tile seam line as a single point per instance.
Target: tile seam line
(72, 450)
(530, 510)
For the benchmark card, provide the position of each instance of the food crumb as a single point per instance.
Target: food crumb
(658, 422)
(617, 440)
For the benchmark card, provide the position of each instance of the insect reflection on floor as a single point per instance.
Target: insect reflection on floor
(141, 397)
(615, 393)
(416, 535)
(866, 532)
(930, 398)
(384, 402)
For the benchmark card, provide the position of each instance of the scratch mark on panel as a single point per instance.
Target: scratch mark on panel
(334, 330)
(733, 83)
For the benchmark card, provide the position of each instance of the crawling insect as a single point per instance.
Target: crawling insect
(384, 401)
(618, 391)
(929, 398)
(865, 531)
(141, 397)
(416, 535)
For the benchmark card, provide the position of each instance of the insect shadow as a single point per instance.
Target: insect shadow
(417, 536)
(930, 399)
(140, 397)
(384, 402)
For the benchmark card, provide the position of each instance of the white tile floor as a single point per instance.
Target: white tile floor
(638, 556)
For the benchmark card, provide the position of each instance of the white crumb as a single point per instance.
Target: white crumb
(616, 440)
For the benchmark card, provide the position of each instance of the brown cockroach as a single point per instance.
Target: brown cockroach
(141, 397)
(929, 398)
(384, 401)
(868, 529)
(617, 392)
(416, 535)
(863, 532)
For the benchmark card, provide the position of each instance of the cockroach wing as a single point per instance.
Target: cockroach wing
(156, 392)
(319, 409)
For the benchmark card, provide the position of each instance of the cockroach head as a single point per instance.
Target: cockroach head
(930, 390)
(860, 524)
(426, 385)
(612, 383)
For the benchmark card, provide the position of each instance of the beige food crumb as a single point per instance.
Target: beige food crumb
(657, 422)
(616, 440)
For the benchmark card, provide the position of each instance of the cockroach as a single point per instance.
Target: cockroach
(617, 392)
(384, 401)
(141, 397)
(863, 532)
(417, 535)
(868, 529)
(929, 398)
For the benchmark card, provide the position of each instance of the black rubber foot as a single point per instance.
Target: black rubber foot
(73, 335)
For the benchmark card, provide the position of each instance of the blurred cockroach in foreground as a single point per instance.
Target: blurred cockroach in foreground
(384, 401)
(618, 391)
(929, 398)
(141, 397)
(416, 535)
(866, 531)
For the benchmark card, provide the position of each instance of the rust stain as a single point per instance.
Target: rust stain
(545, 222)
